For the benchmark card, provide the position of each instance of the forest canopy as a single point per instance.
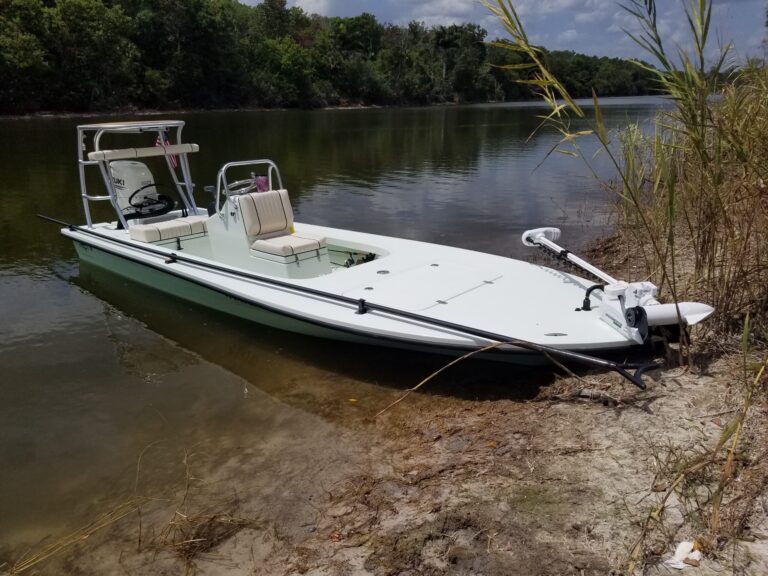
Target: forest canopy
(98, 55)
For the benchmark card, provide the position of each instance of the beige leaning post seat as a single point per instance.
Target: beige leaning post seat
(169, 229)
(268, 221)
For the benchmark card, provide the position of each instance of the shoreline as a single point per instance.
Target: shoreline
(42, 115)
(542, 480)
(173, 111)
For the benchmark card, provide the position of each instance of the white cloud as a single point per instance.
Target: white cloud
(567, 36)
(590, 17)
(314, 6)
(589, 26)
(550, 6)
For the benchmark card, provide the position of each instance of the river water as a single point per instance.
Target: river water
(98, 375)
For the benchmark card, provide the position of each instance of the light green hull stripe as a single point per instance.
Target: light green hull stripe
(198, 294)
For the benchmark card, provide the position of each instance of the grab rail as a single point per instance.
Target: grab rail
(221, 178)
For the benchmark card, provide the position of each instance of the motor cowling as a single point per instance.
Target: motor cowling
(130, 177)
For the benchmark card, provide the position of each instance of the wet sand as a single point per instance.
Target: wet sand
(502, 478)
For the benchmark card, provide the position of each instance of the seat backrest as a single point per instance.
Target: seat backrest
(266, 213)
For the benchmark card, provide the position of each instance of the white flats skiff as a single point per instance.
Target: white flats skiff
(245, 255)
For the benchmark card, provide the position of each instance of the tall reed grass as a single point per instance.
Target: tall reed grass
(693, 211)
(692, 198)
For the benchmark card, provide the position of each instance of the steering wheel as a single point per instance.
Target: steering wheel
(151, 206)
(241, 187)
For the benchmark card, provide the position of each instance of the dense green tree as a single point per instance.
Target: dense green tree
(273, 18)
(191, 52)
(284, 74)
(405, 62)
(89, 49)
(506, 73)
(105, 54)
(360, 35)
(606, 76)
(23, 58)
(461, 51)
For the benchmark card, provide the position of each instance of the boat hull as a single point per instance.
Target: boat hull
(164, 280)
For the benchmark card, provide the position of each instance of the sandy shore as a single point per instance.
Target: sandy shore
(536, 480)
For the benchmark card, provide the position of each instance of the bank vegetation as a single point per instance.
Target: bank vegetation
(692, 216)
(99, 55)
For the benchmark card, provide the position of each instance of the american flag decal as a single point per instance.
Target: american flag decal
(164, 140)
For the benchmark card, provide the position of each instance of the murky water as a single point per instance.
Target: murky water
(95, 371)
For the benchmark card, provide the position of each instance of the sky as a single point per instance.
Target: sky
(587, 26)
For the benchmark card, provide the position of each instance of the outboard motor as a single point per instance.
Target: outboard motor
(137, 195)
(133, 182)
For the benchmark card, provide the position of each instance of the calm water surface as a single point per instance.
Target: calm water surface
(94, 369)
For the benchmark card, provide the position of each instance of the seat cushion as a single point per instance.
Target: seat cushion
(288, 245)
(168, 229)
(198, 224)
(266, 212)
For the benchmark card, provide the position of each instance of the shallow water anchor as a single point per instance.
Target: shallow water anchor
(632, 371)
(637, 377)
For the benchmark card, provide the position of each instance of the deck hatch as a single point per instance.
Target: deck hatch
(422, 287)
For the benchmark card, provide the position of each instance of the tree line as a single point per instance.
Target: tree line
(98, 55)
